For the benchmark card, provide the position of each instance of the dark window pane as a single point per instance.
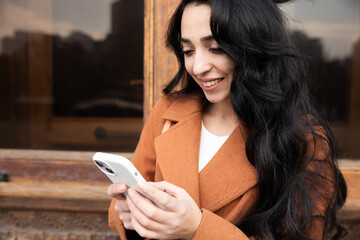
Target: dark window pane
(99, 76)
(71, 74)
(327, 32)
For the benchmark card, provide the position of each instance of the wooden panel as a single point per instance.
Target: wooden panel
(61, 128)
(53, 195)
(54, 225)
(351, 172)
(62, 195)
(50, 196)
(95, 133)
(349, 215)
(148, 57)
(52, 166)
(165, 65)
(159, 63)
(352, 205)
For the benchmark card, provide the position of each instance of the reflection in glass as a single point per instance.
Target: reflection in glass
(327, 33)
(99, 76)
(69, 68)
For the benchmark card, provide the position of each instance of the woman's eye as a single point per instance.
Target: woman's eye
(217, 50)
(187, 52)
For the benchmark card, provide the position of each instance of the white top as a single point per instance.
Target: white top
(209, 145)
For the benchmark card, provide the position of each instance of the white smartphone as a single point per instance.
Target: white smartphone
(120, 170)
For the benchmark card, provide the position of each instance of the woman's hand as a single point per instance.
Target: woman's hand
(180, 219)
(117, 191)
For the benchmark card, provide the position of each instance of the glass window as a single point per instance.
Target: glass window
(98, 61)
(71, 74)
(328, 35)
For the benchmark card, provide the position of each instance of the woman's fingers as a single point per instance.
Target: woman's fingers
(142, 231)
(166, 187)
(137, 202)
(117, 190)
(125, 217)
(146, 221)
(164, 194)
(181, 216)
(121, 206)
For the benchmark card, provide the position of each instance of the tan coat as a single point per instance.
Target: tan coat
(226, 189)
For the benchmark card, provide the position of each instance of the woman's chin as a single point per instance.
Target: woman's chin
(217, 99)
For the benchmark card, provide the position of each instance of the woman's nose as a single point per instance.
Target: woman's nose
(201, 64)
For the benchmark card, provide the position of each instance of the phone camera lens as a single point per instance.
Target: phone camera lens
(135, 173)
(99, 164)
(109, 170)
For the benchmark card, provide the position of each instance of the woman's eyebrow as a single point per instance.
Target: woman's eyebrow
(207, 38)
(203, 39)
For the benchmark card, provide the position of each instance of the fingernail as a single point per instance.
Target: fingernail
(121, 188)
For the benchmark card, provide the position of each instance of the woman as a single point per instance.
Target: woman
(246, 155)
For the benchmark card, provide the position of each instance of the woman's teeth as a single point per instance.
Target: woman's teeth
(211, 83)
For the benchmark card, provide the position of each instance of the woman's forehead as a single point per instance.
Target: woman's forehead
(196, 20)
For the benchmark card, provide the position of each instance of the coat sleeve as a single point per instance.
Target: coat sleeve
(213, 226)
(144, 158)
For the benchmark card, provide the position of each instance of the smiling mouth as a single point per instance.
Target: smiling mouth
(212, 83)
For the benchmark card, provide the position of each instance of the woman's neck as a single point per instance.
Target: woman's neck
(220, 118)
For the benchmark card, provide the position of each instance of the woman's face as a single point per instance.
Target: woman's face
(205, 61)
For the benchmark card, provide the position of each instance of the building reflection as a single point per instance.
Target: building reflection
(102, 78)
(94, 78)
(57, 90)
(330, 80)
(355, 88)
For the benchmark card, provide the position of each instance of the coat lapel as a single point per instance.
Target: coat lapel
(177, 149)
(228, 175)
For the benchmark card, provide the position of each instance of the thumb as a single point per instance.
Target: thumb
(117, 190)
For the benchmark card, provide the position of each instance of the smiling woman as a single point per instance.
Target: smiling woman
(80, 74)
(239, 77)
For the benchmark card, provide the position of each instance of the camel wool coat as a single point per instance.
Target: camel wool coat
(225, 190)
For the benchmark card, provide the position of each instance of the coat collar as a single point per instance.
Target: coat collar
(182, 107)
(226, 177)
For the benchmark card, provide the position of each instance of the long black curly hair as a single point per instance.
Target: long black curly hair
(291, 147)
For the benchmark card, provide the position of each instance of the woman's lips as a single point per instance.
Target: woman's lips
(210, 83)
